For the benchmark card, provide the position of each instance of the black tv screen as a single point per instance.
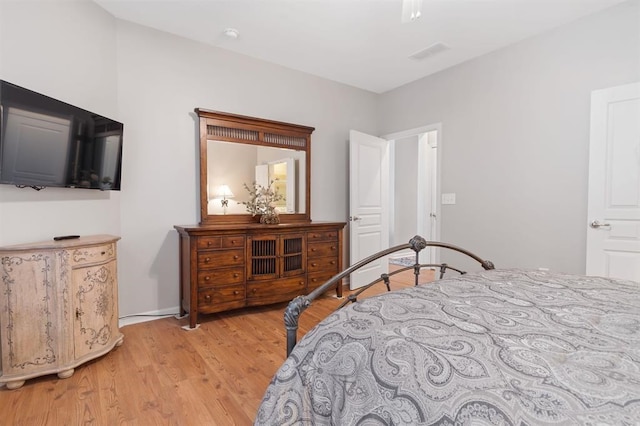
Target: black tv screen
(45, 142)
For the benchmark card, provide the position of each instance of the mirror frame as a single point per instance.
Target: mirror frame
(226, 127)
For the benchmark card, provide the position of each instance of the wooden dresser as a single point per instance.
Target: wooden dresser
(59, 306)
(231, 266)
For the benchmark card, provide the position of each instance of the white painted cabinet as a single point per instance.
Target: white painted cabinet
(58, 306)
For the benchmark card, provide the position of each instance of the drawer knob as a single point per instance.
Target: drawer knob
(208, 243)
(236, 292)
(207, 278)
(235, 257)
(235, 275)
(314, 264)
(103, 253)
(313, 249)
(207, 260)
(333, 247)
(254, 290)
(301, 283)
(207, 298)
(333, 262)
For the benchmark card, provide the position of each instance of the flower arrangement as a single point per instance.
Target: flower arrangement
(262, 201)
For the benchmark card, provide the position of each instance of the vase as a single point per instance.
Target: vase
(270, 218)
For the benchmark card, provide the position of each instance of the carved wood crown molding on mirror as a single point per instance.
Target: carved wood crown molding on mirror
(236, 150)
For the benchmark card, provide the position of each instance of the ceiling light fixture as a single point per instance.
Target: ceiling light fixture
(231, 33)
(411, 10)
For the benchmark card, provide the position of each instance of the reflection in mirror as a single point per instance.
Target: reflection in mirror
(232, 166)
(281, 176)
(110, 148)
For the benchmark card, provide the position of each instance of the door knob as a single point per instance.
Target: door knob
(354, 218)
(596, 224)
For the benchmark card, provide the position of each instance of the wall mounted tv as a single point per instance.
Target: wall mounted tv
(45, 142)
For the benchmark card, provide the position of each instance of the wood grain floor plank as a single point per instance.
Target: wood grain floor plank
(164, 375)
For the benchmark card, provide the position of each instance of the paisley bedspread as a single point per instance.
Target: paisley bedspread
(503, 347)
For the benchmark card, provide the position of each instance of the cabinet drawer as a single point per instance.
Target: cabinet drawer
(322, 236)
(211, 297)
(91, 255)
(276, 290)
(220, 277)
(329, 264)
(230, 241)
(316, 279)
(217, 259)
(323, 249)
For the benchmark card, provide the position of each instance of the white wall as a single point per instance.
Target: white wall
(152, 81)
(66, 50)
(515, 137)
(405, 215)
(161, 79)
(515, 134)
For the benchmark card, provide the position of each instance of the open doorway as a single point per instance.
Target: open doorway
(414, 189)
(393, 195)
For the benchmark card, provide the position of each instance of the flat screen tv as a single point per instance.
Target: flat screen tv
(45, 142)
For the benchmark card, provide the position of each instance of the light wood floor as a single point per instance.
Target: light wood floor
(164, 375)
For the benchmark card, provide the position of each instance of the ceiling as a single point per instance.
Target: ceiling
(362, 43)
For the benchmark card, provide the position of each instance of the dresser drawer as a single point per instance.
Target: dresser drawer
(322, 249)
(220, 277)
(221, 258)
(209, 299)
(220, 242)
(276, 290)
(91, 255)
(322, 236)
(329, 264)
(316, 279)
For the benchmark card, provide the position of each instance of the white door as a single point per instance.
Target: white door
(428, 190)
(29, 132)
(368, 204)
(262, 175)
(613, 229)
(428, 214)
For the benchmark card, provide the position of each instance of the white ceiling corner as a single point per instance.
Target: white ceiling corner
(362, 43)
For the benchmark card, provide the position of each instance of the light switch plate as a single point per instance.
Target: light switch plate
(449, 198)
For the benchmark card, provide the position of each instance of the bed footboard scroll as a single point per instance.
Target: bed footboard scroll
(298, 305)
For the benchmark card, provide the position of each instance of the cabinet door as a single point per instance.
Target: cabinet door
(29, 313)
(95, 310)
(292, 255)
(262, 262)
(275, 256)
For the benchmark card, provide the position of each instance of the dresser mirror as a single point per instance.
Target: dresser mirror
(237, 152)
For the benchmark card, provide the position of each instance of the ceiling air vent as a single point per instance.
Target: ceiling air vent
(434, 49)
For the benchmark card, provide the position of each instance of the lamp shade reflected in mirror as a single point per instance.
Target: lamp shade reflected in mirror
(223, 193)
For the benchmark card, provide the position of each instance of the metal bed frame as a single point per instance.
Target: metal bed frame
(298, 305)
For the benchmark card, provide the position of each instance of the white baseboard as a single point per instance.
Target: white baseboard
(148, 316)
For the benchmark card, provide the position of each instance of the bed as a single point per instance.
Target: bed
(494, 347)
